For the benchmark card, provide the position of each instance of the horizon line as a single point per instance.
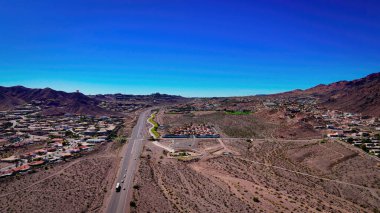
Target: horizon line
(185, 96)
(157, 92)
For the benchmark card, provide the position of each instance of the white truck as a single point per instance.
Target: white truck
(118, 187)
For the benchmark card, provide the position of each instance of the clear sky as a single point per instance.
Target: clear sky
(186, 47)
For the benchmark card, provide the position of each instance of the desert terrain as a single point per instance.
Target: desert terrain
(258, 176)
(79, 184)
(262, 124)
(265, 173)
(275, 153)
(75, 186)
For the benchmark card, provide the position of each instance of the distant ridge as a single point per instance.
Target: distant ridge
(155, 96)
(360, 96)
(59, 102)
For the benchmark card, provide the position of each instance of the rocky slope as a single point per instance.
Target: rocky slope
(55, 102)
(360, 96)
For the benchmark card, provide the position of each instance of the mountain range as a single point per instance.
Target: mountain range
(360, 96)
(56, 102)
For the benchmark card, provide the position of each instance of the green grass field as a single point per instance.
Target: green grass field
(238, 112)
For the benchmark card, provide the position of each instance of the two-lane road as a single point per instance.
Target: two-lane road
(130, 155)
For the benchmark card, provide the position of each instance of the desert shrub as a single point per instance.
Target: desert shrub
(121, 140)
(133, 204)
(256, 199)
(364, 147)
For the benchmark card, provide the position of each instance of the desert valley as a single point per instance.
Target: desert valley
(314, 150)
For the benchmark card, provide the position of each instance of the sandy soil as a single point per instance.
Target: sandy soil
(262, 176)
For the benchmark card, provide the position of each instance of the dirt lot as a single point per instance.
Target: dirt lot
(262, 176)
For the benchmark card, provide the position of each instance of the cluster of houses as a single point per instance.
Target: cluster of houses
(291, 106)
(240, 104)
(192, 130)
(54, 152)
(195, 106)
(29, 140)
(131, 103)
(356, 129)
(122, 106)
(361, 131)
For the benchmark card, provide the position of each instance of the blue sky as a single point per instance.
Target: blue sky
(191, 48)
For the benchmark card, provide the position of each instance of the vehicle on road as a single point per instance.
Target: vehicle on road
(117, 203)
(122, 181)
(118, 187)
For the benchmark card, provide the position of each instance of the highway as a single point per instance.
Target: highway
(119, 201)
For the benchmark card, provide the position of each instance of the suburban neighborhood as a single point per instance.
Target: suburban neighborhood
(29, 140)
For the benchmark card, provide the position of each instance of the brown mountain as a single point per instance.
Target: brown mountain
(152, 98)
(361, 95)
(57, 102)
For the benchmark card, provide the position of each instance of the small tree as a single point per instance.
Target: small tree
(7, 125)
(350, 140)
(133, 204)
(121, 140)
(165, 152)
(69, 133)
(366, 140)
(377, 136)
(249, 147)
(364, 147)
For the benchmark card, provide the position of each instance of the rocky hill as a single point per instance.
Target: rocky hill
(152, 98)
(54, 102)
(361, 95)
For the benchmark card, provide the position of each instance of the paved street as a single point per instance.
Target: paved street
(119, 202)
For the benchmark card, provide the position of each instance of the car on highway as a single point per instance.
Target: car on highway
(118, 187)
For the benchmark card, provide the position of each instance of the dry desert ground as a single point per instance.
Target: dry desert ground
(259, 176)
